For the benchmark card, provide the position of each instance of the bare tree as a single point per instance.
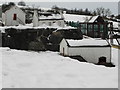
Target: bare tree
(107, 12)
(102, 11)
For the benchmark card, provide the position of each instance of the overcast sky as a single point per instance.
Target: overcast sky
(71, 4)
(61, 0)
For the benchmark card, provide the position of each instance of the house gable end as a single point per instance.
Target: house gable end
(13, 8)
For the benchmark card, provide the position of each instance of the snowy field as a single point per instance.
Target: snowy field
(22, 69)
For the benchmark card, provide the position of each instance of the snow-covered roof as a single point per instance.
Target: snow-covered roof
(53, 16)
(33, 7)
(79, 18)
(50, 16)
(87, 42)
(93, 19)
(25, 7)
(43, 8)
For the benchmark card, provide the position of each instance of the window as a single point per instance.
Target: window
(14, 16)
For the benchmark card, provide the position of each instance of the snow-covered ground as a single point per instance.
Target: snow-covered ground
(23, 69)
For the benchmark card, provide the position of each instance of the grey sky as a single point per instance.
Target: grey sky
(113, 6)
(62, 0)
(91, 5)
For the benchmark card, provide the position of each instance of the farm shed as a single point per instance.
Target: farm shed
(13, 16)
(90, 49)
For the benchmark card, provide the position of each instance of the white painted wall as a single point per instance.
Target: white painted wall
(63, 44)
(119, 56)
(59, 23)
(90, 54)
(45, 23)
(9, 16)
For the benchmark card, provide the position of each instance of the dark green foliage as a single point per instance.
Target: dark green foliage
(21, 3)
(38, 39)
(36, 46)
(118, 17)
(57, 36)
(7, 6)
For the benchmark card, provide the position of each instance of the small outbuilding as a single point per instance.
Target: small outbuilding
(13, 16)
(91, 50)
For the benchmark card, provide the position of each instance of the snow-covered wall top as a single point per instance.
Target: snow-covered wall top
(87, 42)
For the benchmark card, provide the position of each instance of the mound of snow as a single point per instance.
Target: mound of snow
(22, 69)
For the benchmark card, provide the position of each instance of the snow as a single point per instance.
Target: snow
(45, 9)
(26, 7)
(2, 29)
(93, 19)
(115, 24)
(32, 7)
(30, 26)
(87, 42)
(80, 18)
(115, 56)
(23, 69)
(53, 16)
(115, 42)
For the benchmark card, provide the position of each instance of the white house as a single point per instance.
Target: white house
(90, 49)
(48, 19)
(13, 16)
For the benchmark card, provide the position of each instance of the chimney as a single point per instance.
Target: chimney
(35, 19)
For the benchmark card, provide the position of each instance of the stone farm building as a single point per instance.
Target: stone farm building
(93, 26)
(13, 16)
(90, 50)
(48, 19)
